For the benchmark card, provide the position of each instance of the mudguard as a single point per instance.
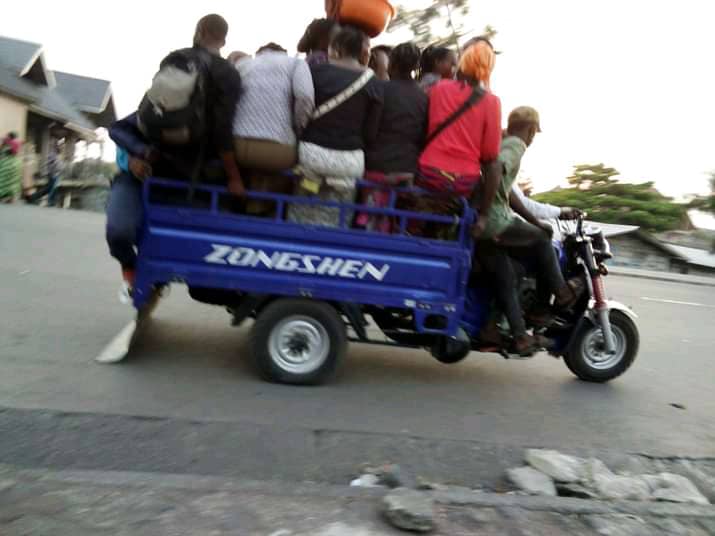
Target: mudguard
(612, 305)
(589, 317)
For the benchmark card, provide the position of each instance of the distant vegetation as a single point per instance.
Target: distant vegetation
(706, 202)
(595, 190)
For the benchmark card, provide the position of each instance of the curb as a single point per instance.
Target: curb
(568, 505)
(456, 498)
(163, 445)
(662, 276)
(184, 482)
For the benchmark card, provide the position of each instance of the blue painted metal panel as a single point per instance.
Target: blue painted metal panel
(217, 249)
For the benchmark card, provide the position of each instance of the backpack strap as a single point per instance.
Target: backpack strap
(476, 96)
(330, 105)
(204, 60)
(196, 171)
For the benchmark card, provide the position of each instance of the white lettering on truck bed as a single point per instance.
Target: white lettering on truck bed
(295, 262)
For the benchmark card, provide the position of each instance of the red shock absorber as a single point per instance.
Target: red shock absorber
(599, 292)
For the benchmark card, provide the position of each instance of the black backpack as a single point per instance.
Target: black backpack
(174, 110)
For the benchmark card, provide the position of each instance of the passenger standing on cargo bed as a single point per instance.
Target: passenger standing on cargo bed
(236, 57)
(331, 154)
(380, 61)
(463, 141)
(276, 103)
(391, 159)
(436, 63)
(316, 40)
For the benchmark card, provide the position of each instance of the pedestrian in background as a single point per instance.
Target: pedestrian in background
(10, 169)
(54, 168)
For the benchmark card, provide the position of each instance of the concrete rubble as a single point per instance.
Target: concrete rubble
(560, 467)
(675, 488)
(622, 488)
(99, 503)
(409, 510)
(532, 481)
(391, 476)
(591, 478)
(576, 491)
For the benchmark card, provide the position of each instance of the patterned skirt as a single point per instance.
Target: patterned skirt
(10, 177)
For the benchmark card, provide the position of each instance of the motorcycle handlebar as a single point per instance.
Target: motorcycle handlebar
(579, 224)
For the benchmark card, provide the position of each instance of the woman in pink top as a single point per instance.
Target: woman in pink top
(457, 154)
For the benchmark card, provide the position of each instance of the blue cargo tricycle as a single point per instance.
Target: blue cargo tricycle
(314, 289)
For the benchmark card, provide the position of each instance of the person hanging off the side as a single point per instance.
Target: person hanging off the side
(181, 152)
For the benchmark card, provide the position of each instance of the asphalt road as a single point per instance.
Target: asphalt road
(191, 397)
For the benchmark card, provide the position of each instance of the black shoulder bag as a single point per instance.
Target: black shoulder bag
(473, 100)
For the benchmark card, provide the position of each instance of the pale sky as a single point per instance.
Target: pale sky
(629, 83)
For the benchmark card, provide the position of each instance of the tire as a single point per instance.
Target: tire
(298, 342)
(451, 352)
(586, 346)
(452, 359)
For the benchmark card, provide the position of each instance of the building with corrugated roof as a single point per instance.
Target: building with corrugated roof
(39, 104)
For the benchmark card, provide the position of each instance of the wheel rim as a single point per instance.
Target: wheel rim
(299, 344)
(593, 348)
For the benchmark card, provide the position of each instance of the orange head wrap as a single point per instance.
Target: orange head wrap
(477, 62)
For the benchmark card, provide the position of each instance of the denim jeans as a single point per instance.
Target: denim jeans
(125, 213)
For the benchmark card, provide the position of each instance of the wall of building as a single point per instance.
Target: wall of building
(702, 271)
(632, 252)
(13, 116)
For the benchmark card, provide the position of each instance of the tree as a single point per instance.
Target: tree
(526, 185)
(587, 175)
(607, 200)
(436, 24)
(705, 202)
(489, 32)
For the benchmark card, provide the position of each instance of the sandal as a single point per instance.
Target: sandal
(526, 346)
(490, 335)
(545, 342)
(539, 319)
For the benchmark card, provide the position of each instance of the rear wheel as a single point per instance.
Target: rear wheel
(299, 342)
(588, 359)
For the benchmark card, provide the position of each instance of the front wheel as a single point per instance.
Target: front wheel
(587, 357)
(299, 342)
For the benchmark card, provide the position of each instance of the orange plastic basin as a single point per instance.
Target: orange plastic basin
(372, 16)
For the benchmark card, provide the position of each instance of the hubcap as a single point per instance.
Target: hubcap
(299, 344)
(593, 348)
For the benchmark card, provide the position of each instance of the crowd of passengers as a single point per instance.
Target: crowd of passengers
(395, 116)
